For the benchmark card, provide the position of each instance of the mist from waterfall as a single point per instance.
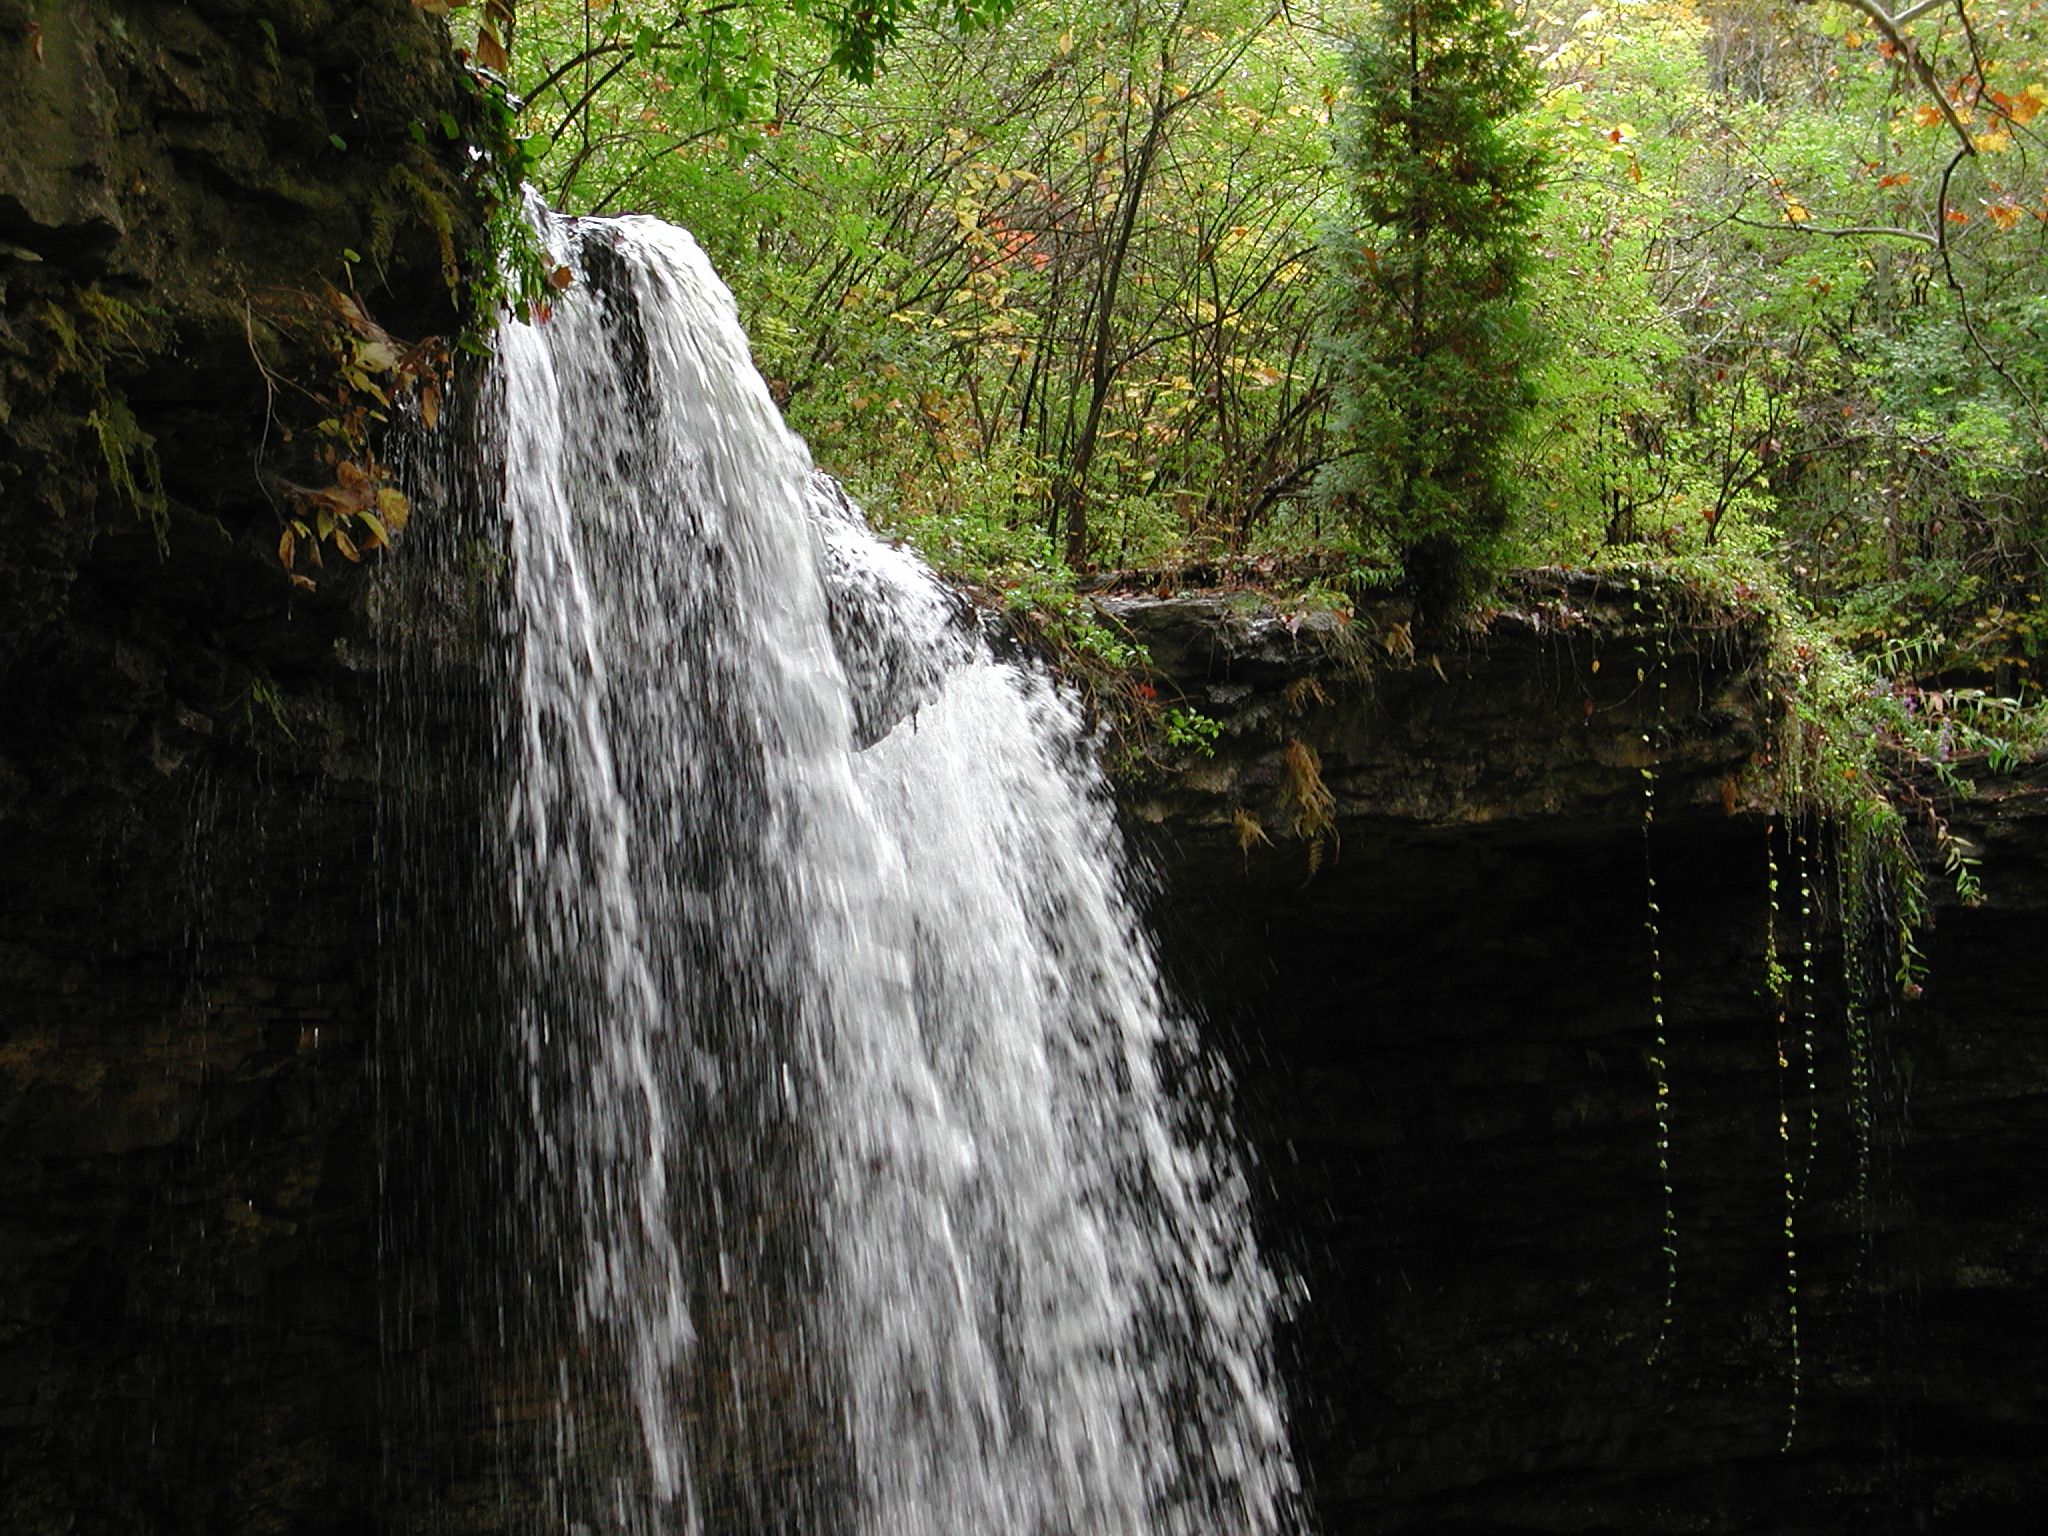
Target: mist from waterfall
(883, 1187)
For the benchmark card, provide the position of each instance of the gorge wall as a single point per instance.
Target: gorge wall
(1444, 1040)
(244, 1245)
(190, 770)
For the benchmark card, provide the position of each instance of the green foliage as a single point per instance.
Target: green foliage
(930, 267)
(129, 454)
(1190, 731)
(510, 273)
(1046, 296)
(95, 332)
(1857, 746)
(1432, 335)
(1802, 320)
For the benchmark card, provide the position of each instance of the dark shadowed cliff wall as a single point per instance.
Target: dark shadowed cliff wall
(190, 782)
(1444, 1040)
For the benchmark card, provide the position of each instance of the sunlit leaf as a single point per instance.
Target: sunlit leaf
(393, 509)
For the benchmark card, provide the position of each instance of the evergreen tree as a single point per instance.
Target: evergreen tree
(1430, 337)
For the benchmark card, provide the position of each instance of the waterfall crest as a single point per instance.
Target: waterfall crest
(846, 1062)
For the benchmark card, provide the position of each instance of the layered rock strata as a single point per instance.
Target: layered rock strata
(1445, 1031)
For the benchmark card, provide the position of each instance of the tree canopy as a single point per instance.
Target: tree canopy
(1053, 285)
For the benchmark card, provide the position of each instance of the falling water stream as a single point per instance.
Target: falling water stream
(889, 1195)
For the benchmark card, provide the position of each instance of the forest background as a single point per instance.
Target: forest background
(1049, 285)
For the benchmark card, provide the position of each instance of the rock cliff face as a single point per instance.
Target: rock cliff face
(190, 779)
(1445, 1039)
(246, 1237)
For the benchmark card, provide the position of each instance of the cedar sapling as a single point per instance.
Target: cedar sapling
(1431, 339)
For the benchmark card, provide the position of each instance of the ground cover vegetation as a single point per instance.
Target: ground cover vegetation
(1314, 291)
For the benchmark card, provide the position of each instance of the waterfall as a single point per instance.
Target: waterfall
(881, 1186)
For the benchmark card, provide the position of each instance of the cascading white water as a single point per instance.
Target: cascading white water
(845, 1051)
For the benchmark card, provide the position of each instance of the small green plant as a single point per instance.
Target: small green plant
(260, 708)
(94, 331)
(1190, 731)
(129, 454)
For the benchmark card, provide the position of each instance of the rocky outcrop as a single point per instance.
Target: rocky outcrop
(190, 775)
(1445, 1032)
(1550, 711)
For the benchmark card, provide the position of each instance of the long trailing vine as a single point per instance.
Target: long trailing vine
(1660, 1051)
(1853, 901)
(1850, 768)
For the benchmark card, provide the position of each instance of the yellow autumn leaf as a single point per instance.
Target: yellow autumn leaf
(1995, 141)
(1926, 115)
(1795, 211)
(393, 509)
(2004, 215)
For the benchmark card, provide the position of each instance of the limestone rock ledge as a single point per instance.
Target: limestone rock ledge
(1445, 1034)
(1550, 708)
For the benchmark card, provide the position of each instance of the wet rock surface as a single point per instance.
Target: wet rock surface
(191, 786)
(1444, 1041)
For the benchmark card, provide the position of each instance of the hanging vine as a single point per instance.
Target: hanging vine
(1653, 743)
